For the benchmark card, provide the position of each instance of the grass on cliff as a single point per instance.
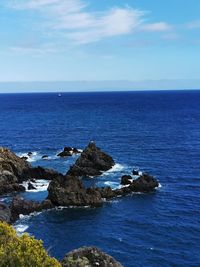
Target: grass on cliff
(23, 251)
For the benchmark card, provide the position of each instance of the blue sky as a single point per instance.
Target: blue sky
(75, 40)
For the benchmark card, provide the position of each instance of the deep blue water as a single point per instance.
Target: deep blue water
(158, 132)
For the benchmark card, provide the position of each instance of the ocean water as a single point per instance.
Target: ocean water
(157, 132)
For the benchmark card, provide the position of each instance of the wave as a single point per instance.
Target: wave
(21, 228)
(159, 185)
(35, 156)
(40, 185)
(112, 184)
(116, 168)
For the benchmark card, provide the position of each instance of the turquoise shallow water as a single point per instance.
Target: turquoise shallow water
(158, 132)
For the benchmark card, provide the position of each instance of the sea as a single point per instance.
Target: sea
(153, 131)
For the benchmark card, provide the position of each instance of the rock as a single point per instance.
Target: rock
(24, 158)
(76, 151)
(69, 191)
(45, 157)
(126, 180)
(106, 192)
(39, 173)
(30, 154)
(90, 257)
(67, 152)
(31, 186)
(5, 213)
(68, 149)
(145, 183)
(135, 172)
(92, 162)
(64, 154)
(14, 170)
(23, 206)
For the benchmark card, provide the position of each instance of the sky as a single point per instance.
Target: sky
(101, 40)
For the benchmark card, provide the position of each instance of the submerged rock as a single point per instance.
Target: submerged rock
(92, 162)
(90, 257)
(5, 213)
(69, 191)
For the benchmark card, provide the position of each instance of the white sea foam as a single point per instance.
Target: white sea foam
(116, 168)
(159, 185)
(112, 184)
(40, 185)
(35, 156)
(21, 228)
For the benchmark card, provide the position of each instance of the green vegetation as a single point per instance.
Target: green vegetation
(23, 251)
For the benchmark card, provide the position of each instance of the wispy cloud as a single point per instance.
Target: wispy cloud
(75, 22)
(156, 27)
(193, 25)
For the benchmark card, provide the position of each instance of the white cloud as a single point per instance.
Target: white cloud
(73, 21)
(156, 27)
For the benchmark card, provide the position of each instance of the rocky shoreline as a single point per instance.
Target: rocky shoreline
(64, 190)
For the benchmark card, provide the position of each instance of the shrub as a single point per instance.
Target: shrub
(23, 251)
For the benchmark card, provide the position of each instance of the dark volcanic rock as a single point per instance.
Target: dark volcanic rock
(64, 154)
(92, 162)
(31, 186)
(14, 170)
(22, 206)
(39, 173)
(45, 157)
(24, 158)
(69, 191)
(68, 152)
(5, 214)
(76, 151)
(135, 172)
(90, 257)
(126, 180)
(145, 183)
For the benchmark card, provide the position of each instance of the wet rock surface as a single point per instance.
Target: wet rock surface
(92, 162)
(68, 152)
(14, 170)
(68, 190)
(23, 206)
(90, 257)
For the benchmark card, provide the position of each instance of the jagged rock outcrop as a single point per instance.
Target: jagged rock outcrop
(5, 213)
(145, 183)
(31, 186)
(126, 180)
(14, 170)
(23, 206)
(68, 152)
(90, 257)
(92, 162)
(11, 169)
(69, 191)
